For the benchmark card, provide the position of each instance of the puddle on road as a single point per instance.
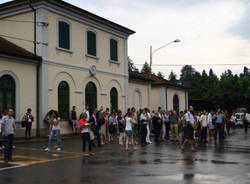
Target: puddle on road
(223, 162)
(199, 178)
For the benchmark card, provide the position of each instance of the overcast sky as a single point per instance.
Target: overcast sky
(211, 31)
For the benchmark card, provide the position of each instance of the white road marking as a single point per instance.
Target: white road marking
(12, 167)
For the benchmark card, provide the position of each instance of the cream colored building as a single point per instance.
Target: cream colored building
(153, 92)
(84, 58)
(84, 62)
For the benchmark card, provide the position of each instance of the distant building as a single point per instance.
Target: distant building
(153, 91)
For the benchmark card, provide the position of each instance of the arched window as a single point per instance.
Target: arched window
(91, 43)
(7, 93)
(64, 34)
(114, 99)
(176, 103)
(63, 100)
(91, 96)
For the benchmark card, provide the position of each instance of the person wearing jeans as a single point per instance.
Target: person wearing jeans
(54, 121)
(28, 118)
(9, 131)
(219, 125)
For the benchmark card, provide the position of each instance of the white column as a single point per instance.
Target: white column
(163, 97)
(126, 73)
(42, 50)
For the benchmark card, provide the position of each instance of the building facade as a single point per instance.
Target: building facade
(69, 57)
(84, 56)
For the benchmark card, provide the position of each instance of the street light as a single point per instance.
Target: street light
(151, 60)
(153, 51)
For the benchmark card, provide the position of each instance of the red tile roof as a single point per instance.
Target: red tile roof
(155, 79)
(11, 49)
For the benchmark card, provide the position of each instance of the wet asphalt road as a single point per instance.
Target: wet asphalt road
(228, 162)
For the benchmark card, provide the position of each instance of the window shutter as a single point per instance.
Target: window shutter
(91, 43)
(113, 50)
(64, 35)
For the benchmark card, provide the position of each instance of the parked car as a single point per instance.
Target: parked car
(239, 117)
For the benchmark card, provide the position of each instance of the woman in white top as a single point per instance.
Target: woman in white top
(128, 130)
(54, 122)
(204, 125)
(233, 121)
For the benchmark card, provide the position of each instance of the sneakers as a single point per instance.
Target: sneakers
(58, 149)
(47, 149)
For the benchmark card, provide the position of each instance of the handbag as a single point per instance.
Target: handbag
(24, 123)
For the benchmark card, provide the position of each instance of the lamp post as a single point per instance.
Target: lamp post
(153, 51)
(151, 60)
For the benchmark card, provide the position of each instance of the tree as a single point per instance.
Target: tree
(211, 72)
(187, 73)
(159, 74)
(146, 68)
(172, 76)
(246, 71)
(131, 66)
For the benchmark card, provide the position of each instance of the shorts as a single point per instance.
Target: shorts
(75, 123)
(103, 129)
(128, 133)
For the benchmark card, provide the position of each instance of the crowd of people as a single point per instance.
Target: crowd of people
(133, 127)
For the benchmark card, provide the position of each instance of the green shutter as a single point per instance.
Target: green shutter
(63, 100)
(64, 35)
(113, 50)
(91, 43)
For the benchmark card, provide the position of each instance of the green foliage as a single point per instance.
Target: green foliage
(131, 66)
(159, 74)
(172, 76)
(228, 92)
(146, 68)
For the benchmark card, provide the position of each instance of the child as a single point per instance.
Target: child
(83, 127)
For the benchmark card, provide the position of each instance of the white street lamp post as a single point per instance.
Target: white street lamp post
(151, 60)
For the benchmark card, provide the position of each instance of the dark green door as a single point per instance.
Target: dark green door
(7, 93)
(91, 96)
(114, 99)
(176, 103)
(63, 100)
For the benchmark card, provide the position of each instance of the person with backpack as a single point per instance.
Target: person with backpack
(28, 119)
(101, 126)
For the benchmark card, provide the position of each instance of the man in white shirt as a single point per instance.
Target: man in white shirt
(204, 124)
(86, 110)
(189, 130)
(148, 115)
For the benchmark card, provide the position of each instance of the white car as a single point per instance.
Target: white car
(239, 118)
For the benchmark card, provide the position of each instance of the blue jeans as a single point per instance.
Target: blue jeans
(8, 144)
(58, 135)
